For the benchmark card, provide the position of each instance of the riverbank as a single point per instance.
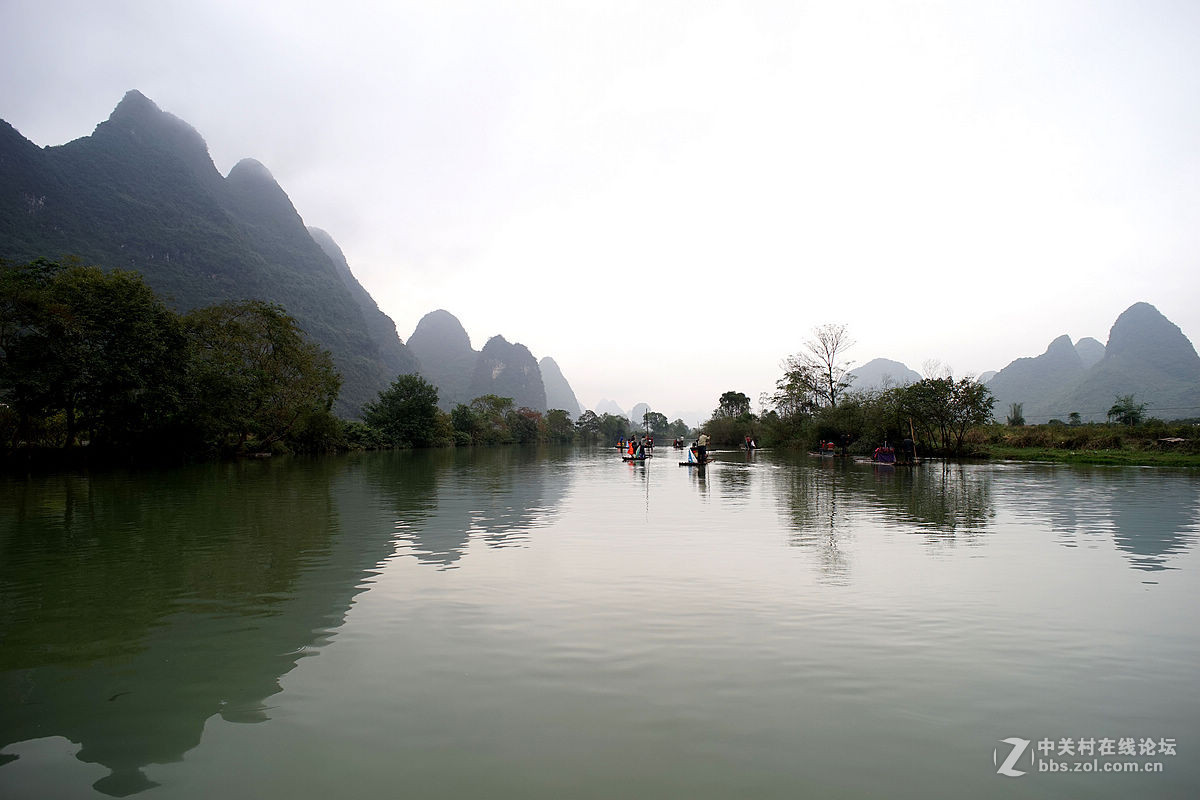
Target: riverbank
(1120, 457)
(1155, 444)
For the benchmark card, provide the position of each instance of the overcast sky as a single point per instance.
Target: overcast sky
(667, 197)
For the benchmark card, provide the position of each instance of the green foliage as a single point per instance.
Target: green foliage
(1152, 442)
(97, 347)
(358, 435)
(818, 375)
(731, 421)
(943, 410)
(587, 427)
(613, 427)
(939, 411)
(406, 413)
(467, 424)
(95, 357)
(492, 416)
(254, 377)
(1127, 411)
(526, 426)
(1015, 415)
(558, 426)
(655, 423)
(732, 404)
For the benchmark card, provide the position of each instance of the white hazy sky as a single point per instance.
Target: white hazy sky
(667, 197)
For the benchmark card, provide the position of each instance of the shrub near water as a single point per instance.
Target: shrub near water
(1145, 439)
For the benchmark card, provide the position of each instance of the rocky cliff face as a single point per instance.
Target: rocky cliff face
(397, 359)
(558, 391)
(509, 370)
(142, 193)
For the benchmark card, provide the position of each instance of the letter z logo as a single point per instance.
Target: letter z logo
(1018, 749)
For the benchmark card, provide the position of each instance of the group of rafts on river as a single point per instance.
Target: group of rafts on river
(640, 448)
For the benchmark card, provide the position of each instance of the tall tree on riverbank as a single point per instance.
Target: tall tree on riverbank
(1127, 411)
(943, 410)
(819, 374)
(406, 413)
(96, 349)
(254, 375)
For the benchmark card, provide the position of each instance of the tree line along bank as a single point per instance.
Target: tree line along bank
(93, 361)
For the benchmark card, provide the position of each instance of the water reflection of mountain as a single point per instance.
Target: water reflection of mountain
(493, 495)
(1150, 514)
(135, 607)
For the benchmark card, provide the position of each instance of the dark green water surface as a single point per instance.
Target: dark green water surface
(512, 623)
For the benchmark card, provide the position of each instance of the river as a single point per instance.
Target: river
(553, 622)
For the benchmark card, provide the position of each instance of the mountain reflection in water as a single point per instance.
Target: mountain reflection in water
(136, 606)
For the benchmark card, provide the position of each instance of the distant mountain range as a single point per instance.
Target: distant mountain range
(1147, 356)
(501, 368)
(880, 373)
(142, 193)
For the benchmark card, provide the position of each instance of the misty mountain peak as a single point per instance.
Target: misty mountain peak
(259, 196)
(137, 118)
(496, 341)
(1143, 333)
(135, 105)
(1062, 348)
(251, 169)
(445, 335)
(1090, 350)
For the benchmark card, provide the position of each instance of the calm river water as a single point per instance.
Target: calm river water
(556, 623)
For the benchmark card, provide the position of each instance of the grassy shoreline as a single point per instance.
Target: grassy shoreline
(1120, 457)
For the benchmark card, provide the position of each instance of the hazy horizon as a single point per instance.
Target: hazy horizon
(667, 199)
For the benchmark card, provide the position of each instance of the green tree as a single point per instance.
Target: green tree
(588, 426)
(819, 373)
(525, 425)
(558, 426)
(1015, 417)
(1127, 411)
(491, 411)
(466, 424)
(254, 376)
(655, 423)
(678, 429)
(1074, 419)
(97, 347)
(406, 413)
(943, 410)
(614, 427)
(732, 404)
